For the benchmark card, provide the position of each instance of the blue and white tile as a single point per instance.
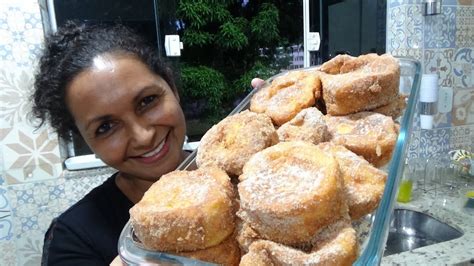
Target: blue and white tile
(394, 3)
(463, 67)
(6, 225)
(462, 137)
(20, 31)
(77, 188)
(465, 26)
(440, 61)
(414, 27)
(35, 205)
(440, 30)
(396, 28)
(404, 28)
(434, 142)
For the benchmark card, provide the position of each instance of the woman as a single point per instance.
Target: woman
(109, 86)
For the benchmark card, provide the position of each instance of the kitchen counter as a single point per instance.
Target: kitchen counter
(447, 205)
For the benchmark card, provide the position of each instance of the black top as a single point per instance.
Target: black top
(88, 232)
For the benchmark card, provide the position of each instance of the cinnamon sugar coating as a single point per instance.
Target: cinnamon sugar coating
(290, 187)
(363, 183)
(287, 95)
(308, 125)
(230, 143)
(336, 244)
(371, 135)
(186, 211)
(226, 253)
(354, 84)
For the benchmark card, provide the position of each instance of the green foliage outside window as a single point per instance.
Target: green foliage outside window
(229, 42)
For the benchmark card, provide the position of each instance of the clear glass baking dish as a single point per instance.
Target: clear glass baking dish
(373, 244)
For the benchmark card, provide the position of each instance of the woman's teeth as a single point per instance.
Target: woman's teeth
(155, 151)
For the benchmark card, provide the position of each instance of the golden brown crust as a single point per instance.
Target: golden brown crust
(185, 211)
(287, 95)
(334, 245)
(226, 253)
(290, 187)
(394, 108)
(371, 135)
(364, 184)
(354, 84)
(230, 143)
(308, 125)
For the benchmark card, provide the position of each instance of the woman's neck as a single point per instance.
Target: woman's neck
(133, 188)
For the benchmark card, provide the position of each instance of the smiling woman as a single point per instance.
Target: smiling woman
(108, 85)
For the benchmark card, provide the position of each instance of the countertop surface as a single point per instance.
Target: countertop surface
(447, 204)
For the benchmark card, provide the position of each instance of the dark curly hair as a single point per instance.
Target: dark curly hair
(70, 51)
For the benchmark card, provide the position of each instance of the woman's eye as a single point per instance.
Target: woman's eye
(147, 100)
(104, 128)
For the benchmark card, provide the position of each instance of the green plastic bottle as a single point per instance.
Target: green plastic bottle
(404, 192)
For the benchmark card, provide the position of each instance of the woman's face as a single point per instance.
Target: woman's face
(129, 116)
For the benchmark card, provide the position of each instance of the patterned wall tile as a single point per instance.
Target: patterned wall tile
(6, 226)
(440, 30)
(409, 52)
(395, 3)
(76, 188)
(463, 106)
(20, 31)
(463, 67)
(434, 143)
(35, 205)
(464, 26)
(466, 2)
(462, 137)
(30, 156)
(395, 28)
(15, 88)
(404, 27)
(439, 61)
(441, 120)
(8, 254)
(29, 248)
(4, 131)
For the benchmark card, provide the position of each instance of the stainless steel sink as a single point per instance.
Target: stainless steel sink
(411, 229)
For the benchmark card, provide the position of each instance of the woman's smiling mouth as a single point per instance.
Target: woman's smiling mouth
(156, 154)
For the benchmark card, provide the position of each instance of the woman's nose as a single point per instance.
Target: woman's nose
(142, 135)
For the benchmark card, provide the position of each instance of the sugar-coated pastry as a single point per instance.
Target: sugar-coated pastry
(226, 253)
(287, 95)
(186, 211)
(307, 125)
(371, 135)
(364, 184)
(291, 187)
(354, 84)
(336, 244)
(230, 143)
(394, 108)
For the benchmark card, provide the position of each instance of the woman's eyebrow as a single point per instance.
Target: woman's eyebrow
(145, 90)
